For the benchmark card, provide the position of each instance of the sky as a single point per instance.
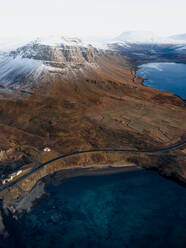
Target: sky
(95, 18)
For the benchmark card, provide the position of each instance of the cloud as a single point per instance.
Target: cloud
(87, 17)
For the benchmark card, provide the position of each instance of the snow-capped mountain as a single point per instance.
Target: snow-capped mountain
(46, 58)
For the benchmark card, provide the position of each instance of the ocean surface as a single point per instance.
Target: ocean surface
(134, 210)
(170, 77)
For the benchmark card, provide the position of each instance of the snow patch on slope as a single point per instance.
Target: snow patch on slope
(13, 70)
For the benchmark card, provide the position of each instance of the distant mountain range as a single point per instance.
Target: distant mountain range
(149, 38)
(139, 37)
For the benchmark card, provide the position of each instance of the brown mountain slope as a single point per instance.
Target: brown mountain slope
(102, 107)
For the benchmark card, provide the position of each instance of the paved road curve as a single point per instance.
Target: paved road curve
(170, 148)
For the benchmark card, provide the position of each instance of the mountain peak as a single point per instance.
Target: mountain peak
(54, 40)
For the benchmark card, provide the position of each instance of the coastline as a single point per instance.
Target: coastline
(59, 176)
(30, 200)
(142, 80)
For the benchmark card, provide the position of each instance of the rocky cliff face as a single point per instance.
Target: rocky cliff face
(62, 53)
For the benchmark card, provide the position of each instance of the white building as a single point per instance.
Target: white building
(11, 177)
(47, 149)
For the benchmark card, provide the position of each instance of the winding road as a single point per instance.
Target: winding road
(170, 148)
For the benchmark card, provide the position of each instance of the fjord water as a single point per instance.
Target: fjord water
(170, 77)
(134, 209)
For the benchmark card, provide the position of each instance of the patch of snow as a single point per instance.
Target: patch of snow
(11, 69)
(119, 43)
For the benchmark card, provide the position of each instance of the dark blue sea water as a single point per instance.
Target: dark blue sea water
(170, 77)
(132, 210)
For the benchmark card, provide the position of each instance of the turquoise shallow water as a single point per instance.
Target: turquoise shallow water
(170, 77)
(134, 209)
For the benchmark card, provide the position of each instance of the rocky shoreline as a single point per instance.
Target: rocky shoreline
(13, 211)
(27, 200)
(9, 217)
